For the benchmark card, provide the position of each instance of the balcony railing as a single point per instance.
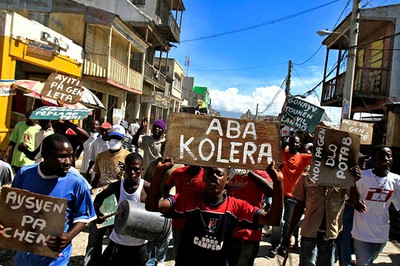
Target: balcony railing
(170, 28)
(333, 88)
(96, 65)
(155, 76)
(372, 82)
(369, 82)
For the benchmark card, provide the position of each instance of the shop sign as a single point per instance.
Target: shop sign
(40, 50)
(63, 113)
(365, 130)
(222, 142)
(301, 115)
(63, 88)
(6, 89)
(146, 99)
(335, 153)
(28, 219)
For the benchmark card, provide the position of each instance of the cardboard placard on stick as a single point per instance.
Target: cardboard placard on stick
(63, 88)
(335, 153)
(365, 130)
(28, 219)
(301, 115)
(222, 142)
(63, 113)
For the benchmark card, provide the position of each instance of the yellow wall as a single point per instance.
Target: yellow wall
(12, 50)
(7, 71)
(59, 63)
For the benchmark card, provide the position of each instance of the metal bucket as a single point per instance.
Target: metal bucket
(137, 222)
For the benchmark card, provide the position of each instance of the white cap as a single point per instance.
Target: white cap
(285, 131)
(117, 130)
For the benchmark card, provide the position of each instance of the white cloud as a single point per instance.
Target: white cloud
(232, 100)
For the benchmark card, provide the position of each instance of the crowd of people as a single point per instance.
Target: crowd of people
(217, 213)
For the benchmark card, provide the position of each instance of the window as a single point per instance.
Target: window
(136, 61)
(139, 2)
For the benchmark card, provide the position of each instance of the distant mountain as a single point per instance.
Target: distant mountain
(229, 114)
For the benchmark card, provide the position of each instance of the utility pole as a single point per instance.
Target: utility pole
(351, 61)
(288, 80)
(256, 111)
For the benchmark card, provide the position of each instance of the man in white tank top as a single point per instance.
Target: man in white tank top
(125, 250)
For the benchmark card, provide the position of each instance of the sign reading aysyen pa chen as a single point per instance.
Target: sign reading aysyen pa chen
(28, 219)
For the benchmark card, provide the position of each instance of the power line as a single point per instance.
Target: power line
(275, 96)
(261, 24)
(238, 69)
(319, 48)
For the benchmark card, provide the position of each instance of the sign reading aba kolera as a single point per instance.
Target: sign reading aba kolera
(63, 113)
(63, 88)
(28, 220)
(222, 142)
(335, 153)
(365, 130)
(301, 115)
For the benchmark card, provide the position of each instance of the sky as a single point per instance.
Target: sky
(240, 50)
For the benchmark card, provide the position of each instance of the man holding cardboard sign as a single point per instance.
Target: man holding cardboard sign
(211, 215)
(320, 194)
(55, 177)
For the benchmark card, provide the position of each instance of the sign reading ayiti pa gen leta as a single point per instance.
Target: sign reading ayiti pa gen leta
(222, 142)
(28, 219)
(63, 113)
(335, 153)
(301, 115)
(63, 88)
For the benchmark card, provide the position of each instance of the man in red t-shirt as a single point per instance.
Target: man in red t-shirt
(211, 215)
(187, 178)
(250, 186)
(293, 164)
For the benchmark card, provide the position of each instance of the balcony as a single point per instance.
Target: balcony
(170, 29)
(154, 76)
(370, 84)
(112, 71)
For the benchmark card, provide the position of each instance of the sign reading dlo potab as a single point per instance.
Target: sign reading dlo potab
(365, 130)
(28, 219)
(335, 153)
(63, 88)
(301, 115)
(222, 142)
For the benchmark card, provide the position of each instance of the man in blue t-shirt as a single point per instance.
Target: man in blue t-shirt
(56, 178)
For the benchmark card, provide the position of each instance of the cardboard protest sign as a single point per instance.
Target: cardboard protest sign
(109, 206)
(29, 219)
(335, 152)
(63, 113)
(222, 142)
(365, 130)
(301, 115)
(63, 88)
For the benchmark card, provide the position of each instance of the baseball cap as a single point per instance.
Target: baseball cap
(105, 125)
(124, 124)
(117, 130)
(161, 124)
